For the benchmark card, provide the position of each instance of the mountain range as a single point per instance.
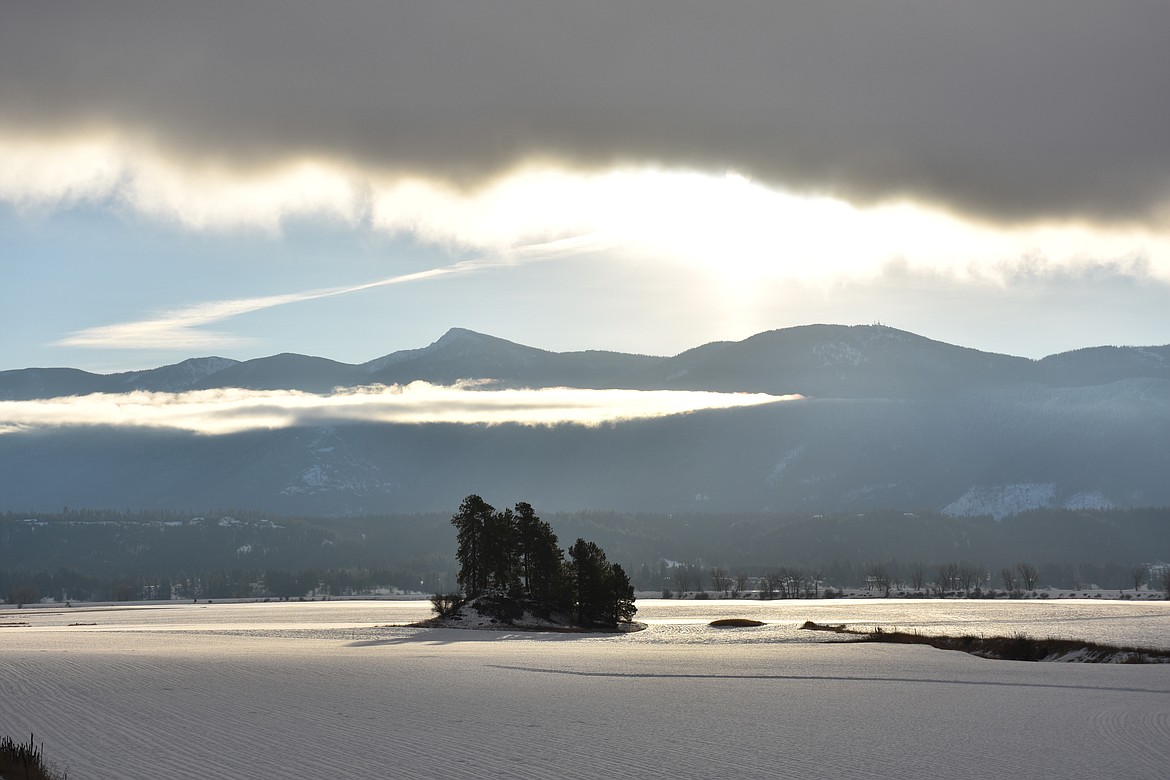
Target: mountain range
(889, 419)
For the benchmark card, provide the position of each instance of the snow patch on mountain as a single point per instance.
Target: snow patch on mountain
(1002, 501)
(314, 476)
(330, 468)
(838, 353)
(1093, 500)
(200, 368)
(778, 470)
(319, 478)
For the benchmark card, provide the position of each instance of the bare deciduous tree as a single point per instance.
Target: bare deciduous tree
(1008, 575)
(948, 577)
(740, 583)
(797, 583)
(1139, 574)
(720, 581)
(778, 580)
(877, 577)
(1028, 575)
(917, 576)
(971, 577)
(767, 590)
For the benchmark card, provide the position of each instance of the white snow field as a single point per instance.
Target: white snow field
(329, 690)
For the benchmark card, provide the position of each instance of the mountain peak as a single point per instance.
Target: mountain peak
(462, 334)
(462, 337)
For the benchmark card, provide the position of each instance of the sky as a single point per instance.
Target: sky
(354, 178)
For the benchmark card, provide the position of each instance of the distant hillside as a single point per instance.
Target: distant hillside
(825, 361)
(890, 420)
(29, 383)
(830, 361)
(285, 372)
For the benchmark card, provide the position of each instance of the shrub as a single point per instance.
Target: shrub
(447, 604)
(25, 761)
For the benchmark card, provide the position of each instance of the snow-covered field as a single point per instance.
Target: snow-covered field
(327, 689)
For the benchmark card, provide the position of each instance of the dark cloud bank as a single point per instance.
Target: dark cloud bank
(1013, 110)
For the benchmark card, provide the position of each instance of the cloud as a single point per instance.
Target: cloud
(226, 411)
(182, 328)
(1014, 112)
(112, 169)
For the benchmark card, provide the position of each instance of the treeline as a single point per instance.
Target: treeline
(511, 562)
(110, 546)
(117, 549)
(960, 579)
(23, 586)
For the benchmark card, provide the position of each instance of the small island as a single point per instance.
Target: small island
(736, 623)
(513, 573)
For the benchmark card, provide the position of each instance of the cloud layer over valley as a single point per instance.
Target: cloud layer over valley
(233, 410)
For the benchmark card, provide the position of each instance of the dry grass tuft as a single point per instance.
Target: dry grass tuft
(20, 761)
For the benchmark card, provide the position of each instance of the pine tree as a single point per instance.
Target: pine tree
(588, 568)
(500, 559)
(471, 523)
(541, 560)
(622, 595)
(603, 591)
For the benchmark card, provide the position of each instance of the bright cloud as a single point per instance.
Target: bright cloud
(107, 167)
(226, 411)
(729, 224)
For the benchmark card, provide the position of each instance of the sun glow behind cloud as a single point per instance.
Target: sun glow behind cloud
(726, 223)
(226, 411)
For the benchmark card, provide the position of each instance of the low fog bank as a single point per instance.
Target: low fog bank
(236, 410)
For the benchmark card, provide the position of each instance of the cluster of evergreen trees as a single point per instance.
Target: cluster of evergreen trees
(512, 559)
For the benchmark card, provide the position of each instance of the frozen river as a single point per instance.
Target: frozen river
(334, 689)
